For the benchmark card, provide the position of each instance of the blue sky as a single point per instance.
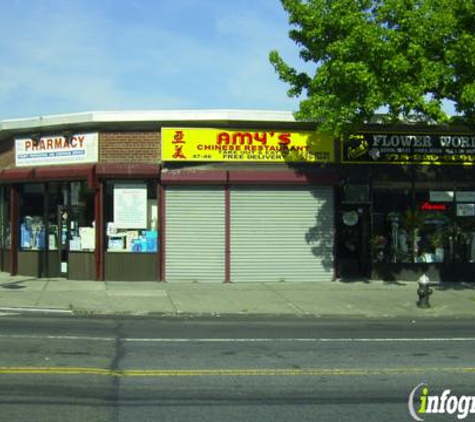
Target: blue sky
(65, 56)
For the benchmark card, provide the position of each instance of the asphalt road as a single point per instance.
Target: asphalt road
(146, 369)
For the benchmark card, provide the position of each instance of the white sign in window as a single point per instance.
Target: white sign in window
(465, 210)
(441, 196)
(465, 196)
(130, 206)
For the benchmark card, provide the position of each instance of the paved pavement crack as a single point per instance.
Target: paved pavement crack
(291, 303)
(176, 311)
(40, 296)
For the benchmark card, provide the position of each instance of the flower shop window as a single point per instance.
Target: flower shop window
(390, 238)
(423, 225)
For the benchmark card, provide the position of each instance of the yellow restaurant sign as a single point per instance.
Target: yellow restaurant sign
(185, 144)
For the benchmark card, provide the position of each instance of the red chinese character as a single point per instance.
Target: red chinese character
(179, 137)
(179, 152)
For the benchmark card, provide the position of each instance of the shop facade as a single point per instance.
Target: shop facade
(407, 203)
(277, 230)
(64, 181)
(233, 197)
(129, 197)
(247, 205)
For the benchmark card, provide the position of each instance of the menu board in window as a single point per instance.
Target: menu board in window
(465, 210)
(130, 206)
(465, 196)
(441, 196)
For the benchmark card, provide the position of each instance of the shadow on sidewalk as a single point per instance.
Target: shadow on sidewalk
(368, 281)
(15, 285)
(453, 286)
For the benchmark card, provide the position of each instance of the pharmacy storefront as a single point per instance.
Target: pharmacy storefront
(247, 205)
(52, 209)
(65, 214)
(407, 205)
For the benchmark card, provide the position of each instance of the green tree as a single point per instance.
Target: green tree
(405, 55)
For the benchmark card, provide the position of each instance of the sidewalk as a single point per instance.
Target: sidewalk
(374, 299)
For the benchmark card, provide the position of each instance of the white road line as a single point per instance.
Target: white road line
(240, 340)
(51, 337)
(302, 340)
(36, 310)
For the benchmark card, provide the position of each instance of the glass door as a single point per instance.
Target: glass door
(64, 237)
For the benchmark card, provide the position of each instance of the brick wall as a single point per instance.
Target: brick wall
(7, 154)
(129, 147)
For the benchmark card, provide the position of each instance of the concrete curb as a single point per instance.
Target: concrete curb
(22, 309)
(263, 315)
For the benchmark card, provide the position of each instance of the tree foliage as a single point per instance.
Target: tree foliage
(404, 55)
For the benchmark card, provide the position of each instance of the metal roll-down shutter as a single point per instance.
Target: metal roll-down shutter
(195, 233)
(281, 233)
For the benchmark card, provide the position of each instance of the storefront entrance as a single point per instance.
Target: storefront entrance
(353, 255)
(56, 231)
(353, 230)
(248, 233)
(282, 233)
(64, 237)
(195, 233)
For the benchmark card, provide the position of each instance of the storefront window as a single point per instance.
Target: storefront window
(131, 216)
(5, 218)
(71, 216)
(32, 228)
(423, 225)
(57, 196)
(81, 218)
(68, 222)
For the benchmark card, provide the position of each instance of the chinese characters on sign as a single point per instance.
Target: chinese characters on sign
(179, 144)
(377, 148)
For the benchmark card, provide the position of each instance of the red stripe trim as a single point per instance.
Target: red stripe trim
(194, 176)
(323, 177)
(283, 177)
(39, 174)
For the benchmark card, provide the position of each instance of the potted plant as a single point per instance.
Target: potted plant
(378, 243)
(437, 243)
(412, 223)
